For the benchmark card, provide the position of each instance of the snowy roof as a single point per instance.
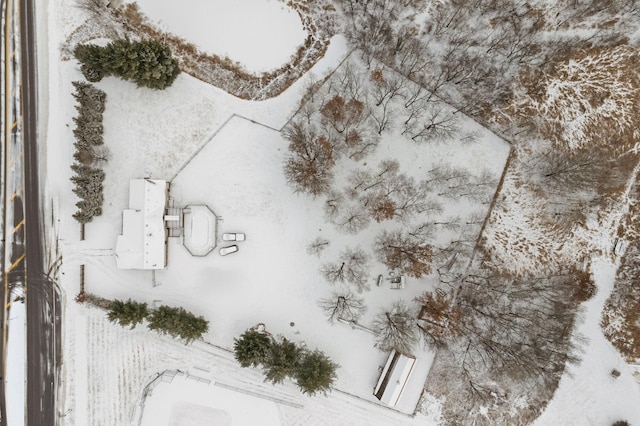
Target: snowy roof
(142, 243)
(393, 378)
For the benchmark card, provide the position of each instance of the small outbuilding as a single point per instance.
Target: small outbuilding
(394, 377)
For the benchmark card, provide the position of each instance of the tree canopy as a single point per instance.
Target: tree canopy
(148, 63)
(315, 373)
(177, 322)
(282, 361)
(252, 348)
(127, 313)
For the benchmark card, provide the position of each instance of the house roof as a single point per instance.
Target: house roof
(142, 243)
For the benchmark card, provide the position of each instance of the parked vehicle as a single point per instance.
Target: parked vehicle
(228, 250)
(233, 236)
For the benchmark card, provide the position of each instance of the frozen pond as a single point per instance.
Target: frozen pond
(260, 34)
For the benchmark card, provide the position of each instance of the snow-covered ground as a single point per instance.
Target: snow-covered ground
(228, 153)
(196, 402)
(588, 394)
(260, 34)
(16, 367)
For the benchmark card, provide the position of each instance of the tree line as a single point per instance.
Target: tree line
(90, 151)
(148, 63)
(176, 322)
(281, 358)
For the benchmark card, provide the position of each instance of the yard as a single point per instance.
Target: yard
(230, 154)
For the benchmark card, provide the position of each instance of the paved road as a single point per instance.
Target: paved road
(43, 302)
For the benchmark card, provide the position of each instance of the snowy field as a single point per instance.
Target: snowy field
(202, 404)
(260, 34)
(228, 153)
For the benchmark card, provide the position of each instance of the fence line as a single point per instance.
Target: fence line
(258, 395)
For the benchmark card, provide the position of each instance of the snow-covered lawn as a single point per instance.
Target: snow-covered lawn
(228, 154)
(260, 34)
(588, 393)
(214, 150)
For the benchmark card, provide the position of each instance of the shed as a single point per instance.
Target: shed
(394, 377)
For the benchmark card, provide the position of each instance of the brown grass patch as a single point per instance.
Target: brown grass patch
(230, 75)
(621, 315)
(588, 98)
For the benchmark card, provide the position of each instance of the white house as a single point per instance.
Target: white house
(394, 377)
(143, 243)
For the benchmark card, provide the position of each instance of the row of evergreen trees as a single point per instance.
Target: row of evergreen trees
(176, 322)
(312, 371)
(147, 63)
(89, 151)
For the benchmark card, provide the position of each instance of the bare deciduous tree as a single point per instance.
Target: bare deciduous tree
(353, 220)
(348, 81)
(357, 268)
(352, 267)
(316, 246)
(383, 116)
(437, 124)
(519, 328)
(334, 205)
(411, 59)
(439, 318)
(567, 171)
(309, 166)
(385, 86)
(411, 198)
(343, 305)
(403, 252)
(334, 272)
(343, 115)
(381, 207)
(395, 328)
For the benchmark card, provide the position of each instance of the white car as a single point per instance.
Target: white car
(233, 236)
(228, 250)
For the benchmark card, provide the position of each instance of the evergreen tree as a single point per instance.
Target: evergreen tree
(82, 217)
(252, 348)
(315, 373)
(282, 361)
(148, 63)
(127, 313)
(88, 132)
(90, 55)
(177, 322)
